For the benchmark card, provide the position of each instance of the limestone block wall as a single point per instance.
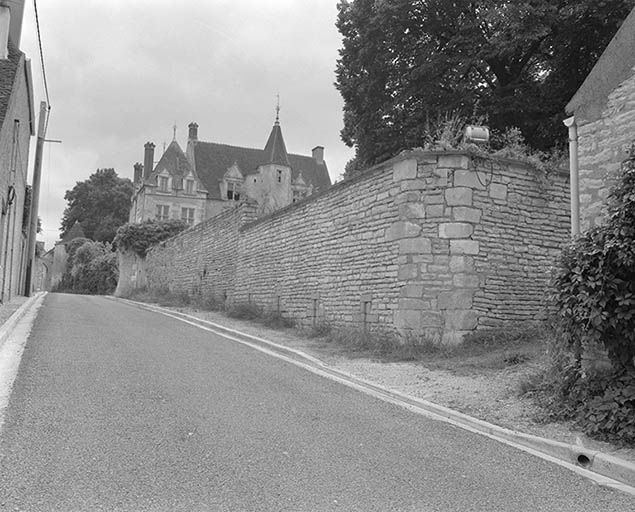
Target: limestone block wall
(602, 146)
(201, 259)
(331, 259)
(434, 244)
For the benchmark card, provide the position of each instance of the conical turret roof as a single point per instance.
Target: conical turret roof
(275, 150)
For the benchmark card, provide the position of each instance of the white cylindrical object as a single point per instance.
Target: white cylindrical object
(477, 134)
(574, 173)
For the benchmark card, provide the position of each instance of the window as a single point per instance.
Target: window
(233, 191)
(279, 175)
(187, 215)
(163, 211)
(163, 184)
(189, 186)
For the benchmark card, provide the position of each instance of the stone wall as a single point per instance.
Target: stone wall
(435, 244)
(603, 142)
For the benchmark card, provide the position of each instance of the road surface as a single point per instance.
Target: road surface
(118, 408)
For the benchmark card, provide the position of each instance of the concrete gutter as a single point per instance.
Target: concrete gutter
(604, 469)
(9, 325)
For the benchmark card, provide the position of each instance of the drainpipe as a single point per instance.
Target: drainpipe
(574, 175)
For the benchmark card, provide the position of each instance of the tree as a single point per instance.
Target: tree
(100, 204)
(517, 62)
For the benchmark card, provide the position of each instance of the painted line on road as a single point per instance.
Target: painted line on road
(13, 336)
(561, 452)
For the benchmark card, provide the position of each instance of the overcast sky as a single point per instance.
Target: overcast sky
(123, 72)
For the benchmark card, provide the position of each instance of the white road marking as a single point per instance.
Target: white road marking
(11, 353)
(364, 388)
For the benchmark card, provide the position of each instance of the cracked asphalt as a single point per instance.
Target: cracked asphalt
(121, 409)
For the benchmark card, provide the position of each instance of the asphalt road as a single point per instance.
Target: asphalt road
(117, 408)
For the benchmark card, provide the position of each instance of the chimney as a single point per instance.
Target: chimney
(138, 173)
(318, 154)
(193, 131)
(17, 14)
(11, 14)
(5, 24)
(148, 160)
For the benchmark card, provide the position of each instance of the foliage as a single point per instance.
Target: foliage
(594, 298)
(91, 268)
(100, 204)
(594, 287)
(517, 63)
(140, 237)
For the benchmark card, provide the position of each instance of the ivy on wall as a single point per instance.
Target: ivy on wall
(139, 238)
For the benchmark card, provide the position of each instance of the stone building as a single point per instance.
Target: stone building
(17, 125)
(603, 121)
(209, 178)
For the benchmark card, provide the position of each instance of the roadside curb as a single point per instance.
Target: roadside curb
(9, 325)
(577, 458)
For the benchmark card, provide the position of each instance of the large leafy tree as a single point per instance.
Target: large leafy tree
(515, 62)
(100, 204)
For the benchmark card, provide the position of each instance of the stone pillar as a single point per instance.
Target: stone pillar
(435, 232)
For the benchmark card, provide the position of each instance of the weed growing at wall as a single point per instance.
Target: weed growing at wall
(594, 294)
(139, 238)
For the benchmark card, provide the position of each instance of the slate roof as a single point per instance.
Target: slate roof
(275, 150)
(613, 67)
(174, 161)
(212, 161)
(8, 70)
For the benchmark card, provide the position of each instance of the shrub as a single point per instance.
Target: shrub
(594, 297)
(140, 237)
(594, 287)
(91, 268)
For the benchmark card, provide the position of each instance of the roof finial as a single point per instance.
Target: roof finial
(278, 109)
(174, 130)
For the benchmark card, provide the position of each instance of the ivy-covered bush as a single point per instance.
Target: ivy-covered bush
(594, 289)
(91, 268)
(594, 298)
(140, 237)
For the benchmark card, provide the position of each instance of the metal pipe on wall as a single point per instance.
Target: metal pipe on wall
(574, 172)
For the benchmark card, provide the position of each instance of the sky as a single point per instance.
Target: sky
(124, 72)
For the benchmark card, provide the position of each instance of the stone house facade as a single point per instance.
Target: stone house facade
(603, 115)
(209, 178)
(17, 125)
(428, 244)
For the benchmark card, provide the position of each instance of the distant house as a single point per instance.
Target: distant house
(210, 177)
(17, 125)
(603, 115)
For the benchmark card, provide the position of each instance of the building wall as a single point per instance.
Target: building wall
(603, 142)
(12, 240)
(144, 205)
(435, 244)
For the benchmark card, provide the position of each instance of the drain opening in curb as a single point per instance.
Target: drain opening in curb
(583, 460)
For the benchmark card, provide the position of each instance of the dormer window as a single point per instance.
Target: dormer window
(163, 183)
(233, 191)
(189, 186)
(298, 195)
